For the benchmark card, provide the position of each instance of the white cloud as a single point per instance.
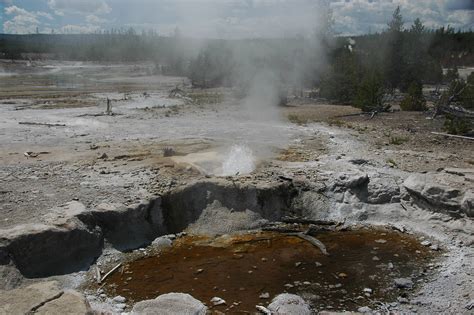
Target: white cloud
(361, 16)
(94, 19)
(78, 29)
(82, 7)
(23, 21)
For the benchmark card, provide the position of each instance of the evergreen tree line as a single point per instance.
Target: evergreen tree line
(366, 68)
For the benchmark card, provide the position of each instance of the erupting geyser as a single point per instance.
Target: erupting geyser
(239, 160)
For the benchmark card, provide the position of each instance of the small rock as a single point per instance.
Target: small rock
(263, 310)
(426, 243)
(403, 283)
(289, 304)
(364, 310)
(434, 247)
(265, 295)
(120, 306)
(119, 299)
(470, 305)
(367, 290)
(162, 243)
(217, 301)
(298, 264)
(390, 265)
(381, 241)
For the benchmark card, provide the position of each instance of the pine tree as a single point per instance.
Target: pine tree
(395, 62)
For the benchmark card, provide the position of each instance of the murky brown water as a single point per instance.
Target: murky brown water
(254, 264)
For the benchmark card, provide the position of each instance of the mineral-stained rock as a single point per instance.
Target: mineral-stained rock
(170, 304)
(289, 304)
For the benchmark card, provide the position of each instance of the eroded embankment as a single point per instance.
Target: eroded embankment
(78, 236)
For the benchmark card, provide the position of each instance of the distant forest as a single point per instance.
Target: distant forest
(444, 45)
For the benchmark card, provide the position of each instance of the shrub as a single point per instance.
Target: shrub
(414, 101)
(370, 93)
(398, 140)
(456, 125)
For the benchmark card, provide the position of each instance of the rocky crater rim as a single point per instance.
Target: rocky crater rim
(73, 237)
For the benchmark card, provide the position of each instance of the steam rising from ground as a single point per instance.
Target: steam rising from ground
(261, 102)
(238, 160)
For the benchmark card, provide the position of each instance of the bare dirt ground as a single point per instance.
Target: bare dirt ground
(404, 138)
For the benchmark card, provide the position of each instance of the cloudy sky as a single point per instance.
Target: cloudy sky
(225, 18)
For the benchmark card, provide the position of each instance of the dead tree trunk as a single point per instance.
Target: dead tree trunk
(109, 107)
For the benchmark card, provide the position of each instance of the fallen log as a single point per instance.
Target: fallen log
(452, 136)
(307, 221)
(111, 271)
(41, 124)
(312, 240)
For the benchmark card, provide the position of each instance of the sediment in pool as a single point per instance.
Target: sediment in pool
(250, 269)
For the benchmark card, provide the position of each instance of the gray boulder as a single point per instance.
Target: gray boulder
(170, 304)
(442, 191)
(285, 304)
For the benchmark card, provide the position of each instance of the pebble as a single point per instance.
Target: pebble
(119, 299)
(367, 290)
(120, 306)
(265, 295)
(217, 301)
(470, 305)
(426, 243)
(364, 309)
(434, 247)
(403, 283)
